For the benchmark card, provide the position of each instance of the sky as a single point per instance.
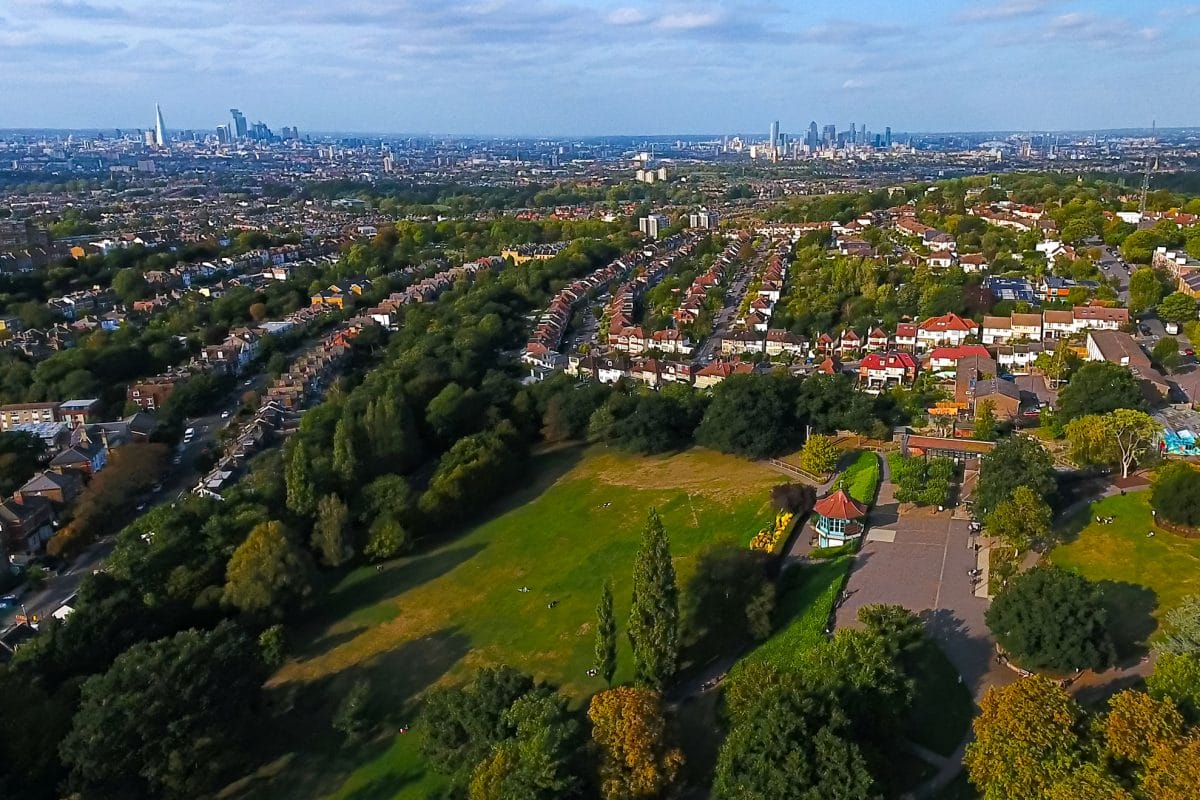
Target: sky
(583, 67)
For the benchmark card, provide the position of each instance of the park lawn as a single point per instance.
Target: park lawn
(861, 478)
(1166, 565)
(804, 608)
(438, 615)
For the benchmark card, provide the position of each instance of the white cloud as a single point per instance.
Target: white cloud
(855, 83)
(689, 21)
(626, 16)
(1008, 9)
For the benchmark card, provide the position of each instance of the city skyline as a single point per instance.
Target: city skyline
(598, 68)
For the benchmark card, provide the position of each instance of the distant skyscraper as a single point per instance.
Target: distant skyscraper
(830, 136)
(813, 135)
(160, 127)
(237, 125)
(775, 133)
(887, 136)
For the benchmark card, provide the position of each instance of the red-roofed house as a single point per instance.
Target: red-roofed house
(945, 358)
(948, 330)
(906, 337)
(880, 370)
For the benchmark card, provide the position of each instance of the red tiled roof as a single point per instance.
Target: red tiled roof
(840, 505)
(948, 322)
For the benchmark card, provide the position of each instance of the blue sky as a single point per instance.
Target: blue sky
(586, 67)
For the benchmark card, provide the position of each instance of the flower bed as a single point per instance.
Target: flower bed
(772, 537)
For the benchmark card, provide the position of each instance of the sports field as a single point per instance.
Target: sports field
(462, 604)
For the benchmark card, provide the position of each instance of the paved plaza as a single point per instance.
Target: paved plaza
(925, 568)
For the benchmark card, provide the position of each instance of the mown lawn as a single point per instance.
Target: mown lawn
(861, 478)
(1144, 576)
(438, 615)
(804, 608)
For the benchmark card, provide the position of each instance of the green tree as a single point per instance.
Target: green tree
(1097, 388)
(1015, 461)
(654, 612)
(792, 744)
(331, 533)
(463, 723)
(1025, 740)
(272, 646)
(167, 719)
(606, 635)
(345, 460)
(536, 761)
(385, 539)
(1166, 353)
(1176, 677)
(352, 717)
(1022, 521)
(1134, 434)
(1049, 618)
(1177, 307)
(301, 493)
(1058, 364)
(819, 455)
(986, 425)
(268, 573)
(1175, 494)
(752, 415)
(1145, 289)
(1090, 441)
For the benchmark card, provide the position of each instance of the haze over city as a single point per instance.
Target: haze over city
(575, 68)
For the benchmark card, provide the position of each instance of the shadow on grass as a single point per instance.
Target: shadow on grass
(369, 585)
(1130, 612)
(970, 654)
(313, 759)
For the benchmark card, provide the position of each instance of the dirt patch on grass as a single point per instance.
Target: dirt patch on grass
(700, 472)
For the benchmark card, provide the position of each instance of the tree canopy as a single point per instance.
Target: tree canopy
(1015, 461)
(1097, 388)
(1175, 494)
(167, 718)
(1049, 618)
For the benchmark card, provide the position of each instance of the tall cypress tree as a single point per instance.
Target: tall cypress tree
(654, 616)
(606, 635)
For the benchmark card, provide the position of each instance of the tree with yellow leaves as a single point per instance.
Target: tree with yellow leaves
(1173, 771)
(1026, 740)
(629, 728)
(1137, 725)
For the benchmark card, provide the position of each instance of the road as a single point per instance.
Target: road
(724, 318)
(1112, 266)
(181, 478)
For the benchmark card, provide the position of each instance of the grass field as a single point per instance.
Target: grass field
(805, 605)
(1148, 575)
(455, 607)
(861, 478)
